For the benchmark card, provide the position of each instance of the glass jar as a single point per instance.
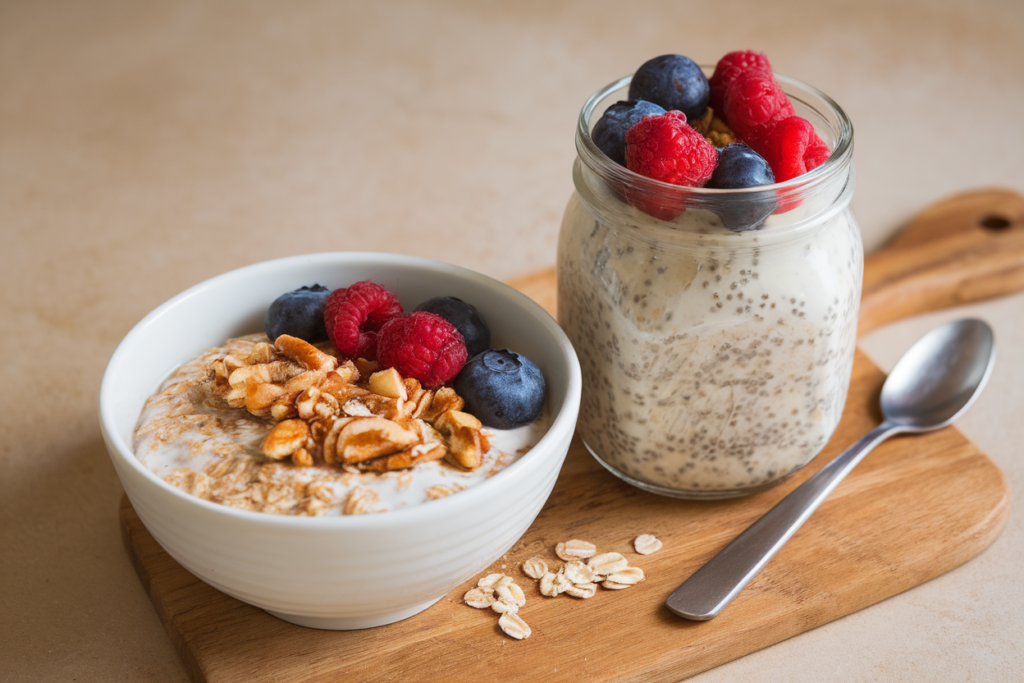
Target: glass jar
(715, 361)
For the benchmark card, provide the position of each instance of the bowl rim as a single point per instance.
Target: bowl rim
(563, 422)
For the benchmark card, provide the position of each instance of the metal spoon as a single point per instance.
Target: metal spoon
(934, 382)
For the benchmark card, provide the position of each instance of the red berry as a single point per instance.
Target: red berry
(666, 149)
(354, 316)
(755, 100)
(728, 68)
(424, 346)
(791, 147)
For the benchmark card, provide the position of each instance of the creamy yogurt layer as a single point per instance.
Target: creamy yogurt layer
(190, 439)
(712, 361)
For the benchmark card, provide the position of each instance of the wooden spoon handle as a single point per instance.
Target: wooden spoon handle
(967, 248)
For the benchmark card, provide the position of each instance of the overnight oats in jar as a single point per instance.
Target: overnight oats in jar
(715, 324)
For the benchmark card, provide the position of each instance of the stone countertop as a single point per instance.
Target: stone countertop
(145, 147)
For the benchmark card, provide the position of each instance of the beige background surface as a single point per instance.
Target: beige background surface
(146, 146)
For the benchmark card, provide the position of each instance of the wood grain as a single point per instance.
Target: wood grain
(915, 508)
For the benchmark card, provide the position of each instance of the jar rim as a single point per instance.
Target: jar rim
(838, 161)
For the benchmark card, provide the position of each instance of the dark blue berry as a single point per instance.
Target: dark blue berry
(673, 82)
(464, 317)
(502, 388)
(740, 167)
(609, 132)
(299, 314)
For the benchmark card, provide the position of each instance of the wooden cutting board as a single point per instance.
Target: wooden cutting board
(915, 508)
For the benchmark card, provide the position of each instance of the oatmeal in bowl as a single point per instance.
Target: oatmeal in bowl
(332, 484)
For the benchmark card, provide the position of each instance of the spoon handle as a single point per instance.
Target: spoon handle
(713, 586)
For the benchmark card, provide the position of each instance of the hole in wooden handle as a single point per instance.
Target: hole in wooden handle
(994, 222)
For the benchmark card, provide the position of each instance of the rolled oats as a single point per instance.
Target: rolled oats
(438, 491)
(612, 585)
(627, 575)
(514, 626)
(504, 607)
(547, 585)
(535, 568)
(645, 544)
(511, 593)
(490, 581)
(606, 563)
(582, 590)
(575, 550)
(480, 598)
(578, 573)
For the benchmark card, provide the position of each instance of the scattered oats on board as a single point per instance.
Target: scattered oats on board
(579, 577)
(645, 544)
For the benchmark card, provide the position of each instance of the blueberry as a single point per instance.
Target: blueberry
(609, 132)
(465, 319)
(299, 314)
(673, 82)
(739, 167)
(502, 388)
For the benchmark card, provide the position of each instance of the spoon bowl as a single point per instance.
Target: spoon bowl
(939, 376)
(934, 382)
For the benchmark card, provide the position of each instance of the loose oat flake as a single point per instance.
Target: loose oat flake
(575, 550)
(582, 590)
(479, 598)
(606, 563)
(578, 573)
(490, 581)
(628, 576)
(535, 568)
(514, 626)
(645, 544)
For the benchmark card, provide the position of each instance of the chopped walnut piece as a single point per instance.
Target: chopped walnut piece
(388, 383)
(305, 380)
(466, 444)
(514, 626)
(285, 438)
(302, 458)
(443, 400)
(262, 352)
(305, 354)
(405, 459)
(364, 438)
(366, 367)
(645, 544)
(260, 397)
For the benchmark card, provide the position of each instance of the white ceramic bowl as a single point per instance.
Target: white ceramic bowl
(336, 572)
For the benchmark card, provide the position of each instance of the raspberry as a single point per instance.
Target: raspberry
(791, 147)
(754, 100)
(423, 346)
(355, 315)
(666, 149)
(730, 66)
